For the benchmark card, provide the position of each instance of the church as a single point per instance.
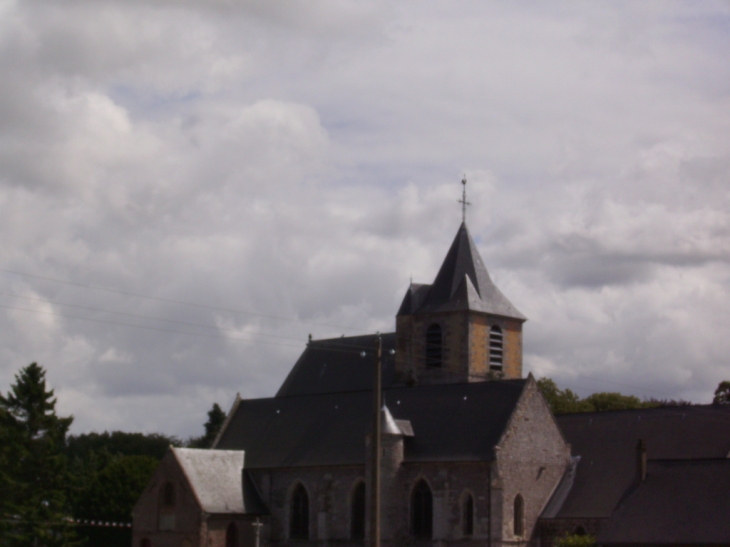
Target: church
(464, 450)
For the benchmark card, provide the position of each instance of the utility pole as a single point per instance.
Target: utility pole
(376, 441)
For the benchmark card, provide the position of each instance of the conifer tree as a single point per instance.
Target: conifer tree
(33, 476)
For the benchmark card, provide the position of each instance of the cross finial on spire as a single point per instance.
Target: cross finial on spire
(463, 201)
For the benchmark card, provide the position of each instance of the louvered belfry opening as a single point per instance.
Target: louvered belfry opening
(357, 507)
(299, 514)
(422, 511)
(434, 346)
(496, 349)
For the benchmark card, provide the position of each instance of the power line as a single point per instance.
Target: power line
(140, 316)
(342, 348)
(146, 327)
(172, 301)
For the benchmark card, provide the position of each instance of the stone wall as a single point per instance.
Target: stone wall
(532, 457)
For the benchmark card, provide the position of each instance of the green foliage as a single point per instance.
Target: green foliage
(113, 492)
(110, 494)
(216, 417)
(109, 472)
(722, 394)
(34, 476)
(567, 402)
(561, 401)
(616, 401)
(576, 540)
(90, 445)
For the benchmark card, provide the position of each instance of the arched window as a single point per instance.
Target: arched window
(357, 512)
(519, 516)
(434, 345)
(144, 542)
(467, 518)
(299, 514)
(168, 495)
(496, 348)
(422, 511)
(231, 535)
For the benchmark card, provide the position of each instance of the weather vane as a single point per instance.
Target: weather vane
(463, 201)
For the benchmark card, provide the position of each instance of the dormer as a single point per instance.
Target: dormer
(461, 327)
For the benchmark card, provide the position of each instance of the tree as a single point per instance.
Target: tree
(216, 417)
(567, 402)
(110, 496)
(604, 401)
(576, 540)
(109, 472)
(722, 394)
(89, 445)
(34, 476)
(561, 401)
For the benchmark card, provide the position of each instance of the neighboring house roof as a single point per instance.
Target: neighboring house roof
(455, 422)
(462, 283)
(681, 502)
(606, 444)
(217, 479)
(336, 365)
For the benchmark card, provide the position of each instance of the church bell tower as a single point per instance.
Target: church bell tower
(461, 328)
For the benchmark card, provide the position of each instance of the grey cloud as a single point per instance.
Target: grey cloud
(304, 163)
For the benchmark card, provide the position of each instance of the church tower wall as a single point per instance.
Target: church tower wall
(465, 347)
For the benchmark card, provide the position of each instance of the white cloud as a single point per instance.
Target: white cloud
(303, 163)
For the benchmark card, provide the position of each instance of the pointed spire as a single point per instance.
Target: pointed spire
(462, 283)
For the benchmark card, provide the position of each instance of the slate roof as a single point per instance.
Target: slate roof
(455, 422)
(606, 444)
(462, 283)
(681, 502)
(336, 364)
(218, 481)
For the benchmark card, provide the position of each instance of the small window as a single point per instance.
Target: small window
(496, 348)
(299, 514)
(145, 543)
(519, 516)
(231, 535)
(434, 346)
(168, 495)
(422, 511)
(580, 531)
(467, 518)
(357, 509)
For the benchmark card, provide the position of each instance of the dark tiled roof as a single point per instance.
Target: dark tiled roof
(455, 422)
(679, 503)
(462, 283)
(606, 444)
(336, 365)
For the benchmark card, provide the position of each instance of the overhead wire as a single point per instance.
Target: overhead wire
(173, 301)
(332, 346)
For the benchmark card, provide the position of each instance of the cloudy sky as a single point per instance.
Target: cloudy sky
(189, 188)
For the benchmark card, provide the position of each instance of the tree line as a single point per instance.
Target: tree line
(53, 485)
